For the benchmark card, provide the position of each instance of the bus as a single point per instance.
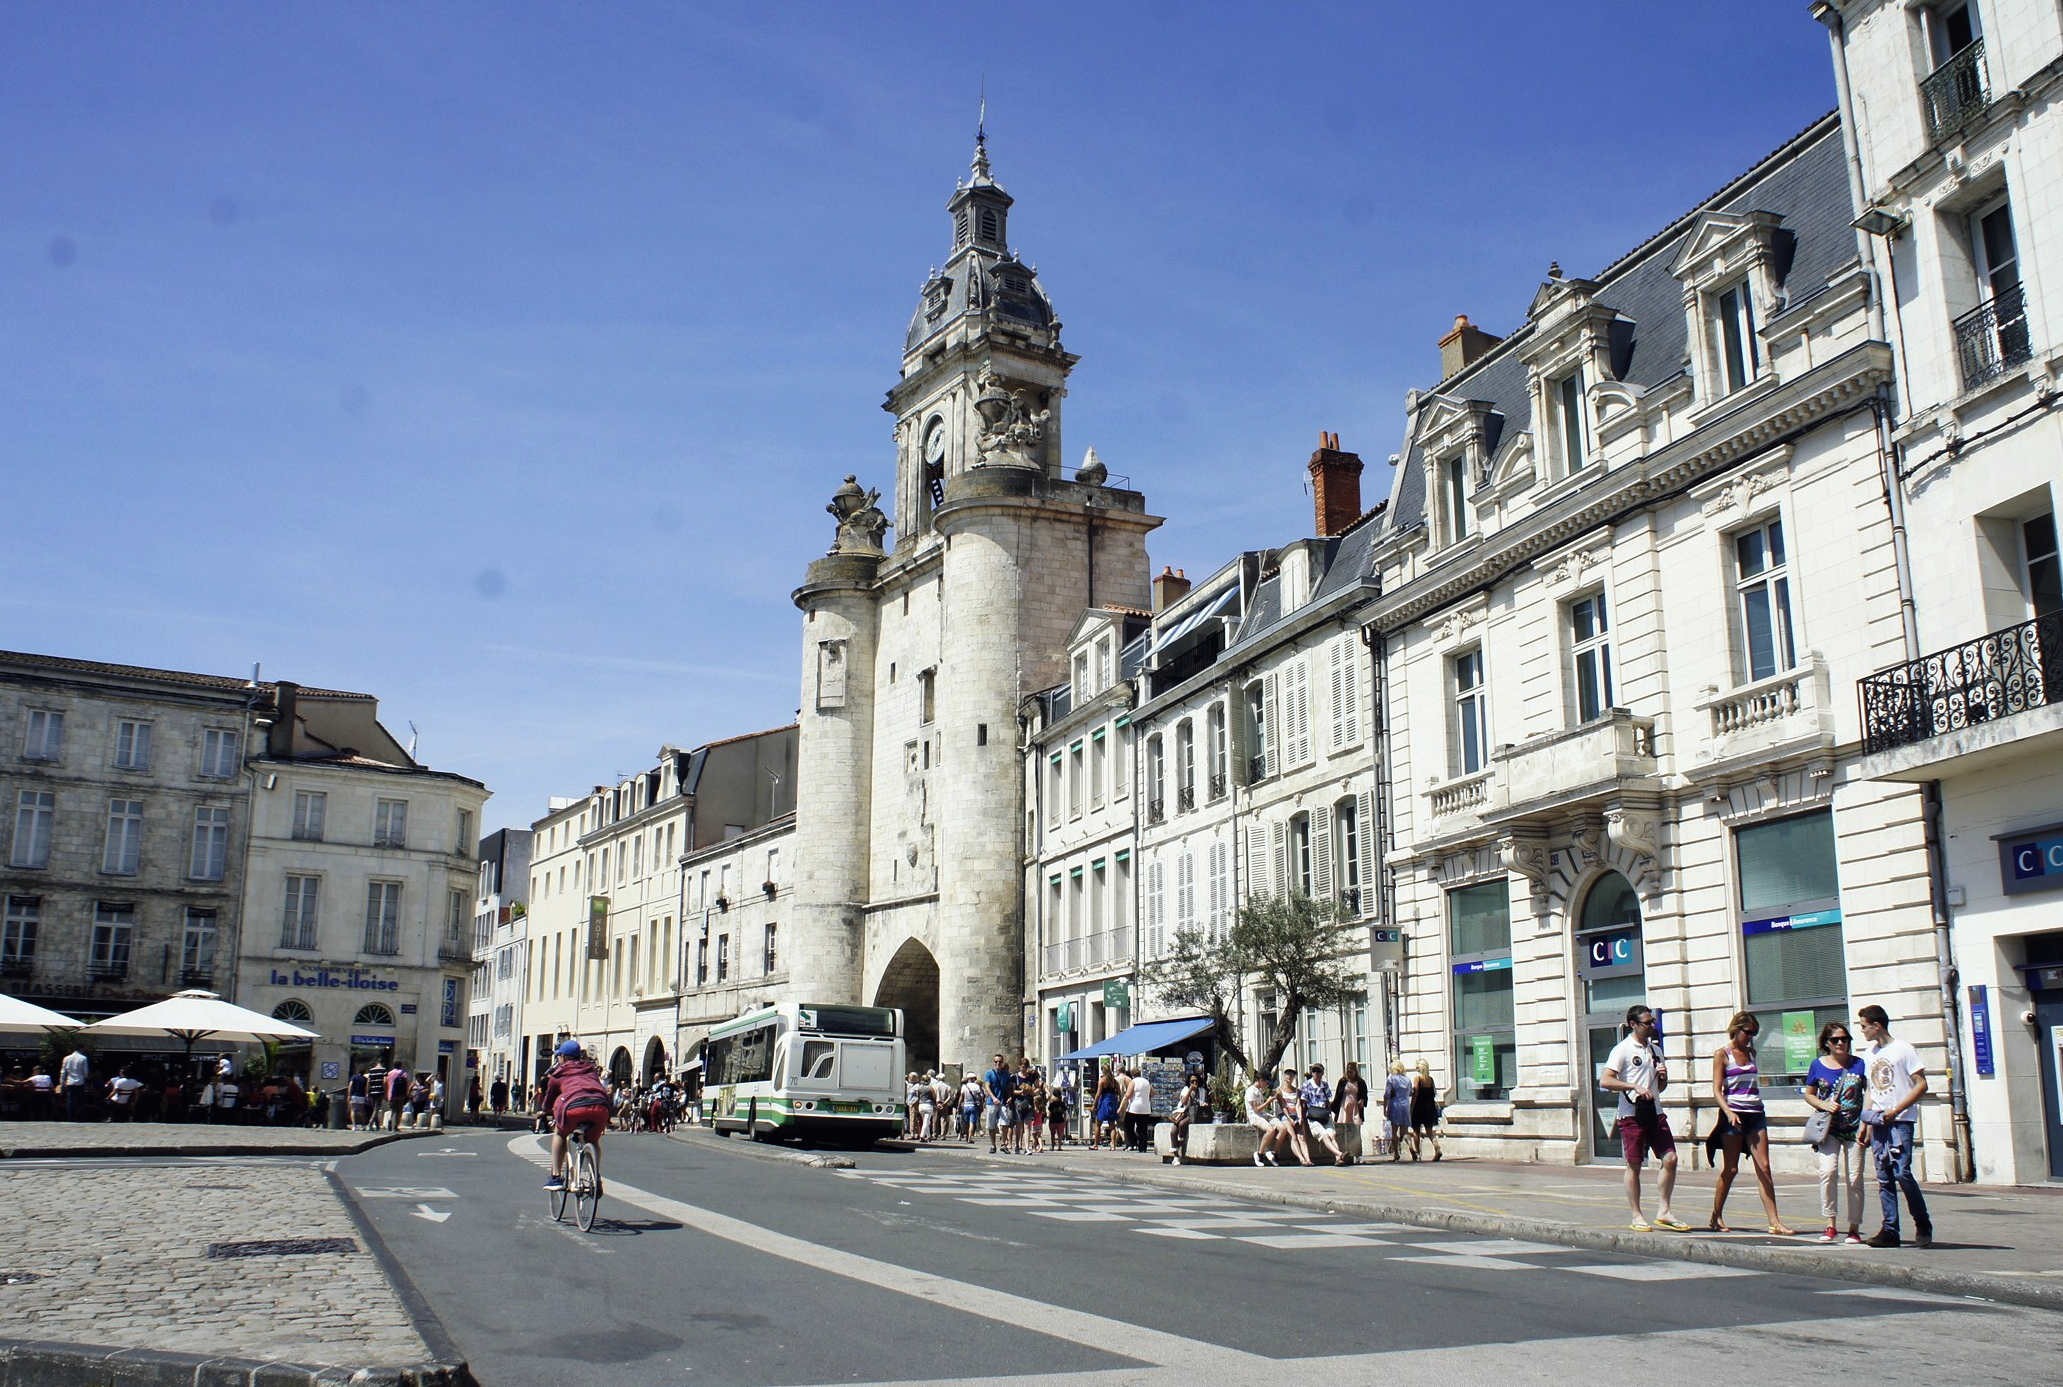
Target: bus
(804, 1068)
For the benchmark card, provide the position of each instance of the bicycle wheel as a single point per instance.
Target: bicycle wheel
(587, 1186)
(557, 1199)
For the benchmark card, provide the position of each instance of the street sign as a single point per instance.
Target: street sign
(1116, 995)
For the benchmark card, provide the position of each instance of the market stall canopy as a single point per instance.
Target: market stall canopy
(1146, 1038)
(199, 1015)
(26, 1018)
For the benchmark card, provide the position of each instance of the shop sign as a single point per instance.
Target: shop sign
(332, 1070)
(1481, 965)
(1386, 949)
(374, 1042)
(1483, 1057)
(355, 979)
(1801, 1042)
(1807, 919)
(597, 926)
(1980, 1029)
(2032, 862)
(1063, 1019)
(408, 1008)
(1116, 995)
(445, 1047)
(1614, 955)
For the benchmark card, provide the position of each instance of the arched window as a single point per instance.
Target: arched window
(1611, 904)
(292, 1010)
(373, 1014)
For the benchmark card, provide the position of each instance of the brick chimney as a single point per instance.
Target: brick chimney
(1169, 588)
(1335, 485)
(1464, 346)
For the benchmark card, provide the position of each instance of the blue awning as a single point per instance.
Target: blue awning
(1144, 1039)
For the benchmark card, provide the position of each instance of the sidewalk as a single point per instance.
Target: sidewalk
(21, 1140)
(1993, 1242)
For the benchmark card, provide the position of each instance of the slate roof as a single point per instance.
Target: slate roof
(214, 683)
(1805, 182)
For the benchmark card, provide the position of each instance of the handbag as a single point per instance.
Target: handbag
(1817, 1127)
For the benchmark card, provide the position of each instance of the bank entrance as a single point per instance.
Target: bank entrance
(1613, 976)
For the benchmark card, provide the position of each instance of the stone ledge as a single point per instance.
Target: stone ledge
(32, 1363)
(1235, 1143)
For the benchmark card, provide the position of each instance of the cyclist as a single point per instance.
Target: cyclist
(575, 1097)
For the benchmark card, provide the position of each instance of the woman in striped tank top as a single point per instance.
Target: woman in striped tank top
(1743, 1124)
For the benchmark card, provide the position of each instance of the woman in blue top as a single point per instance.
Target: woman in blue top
(1835, 1085)
(1735, 1084)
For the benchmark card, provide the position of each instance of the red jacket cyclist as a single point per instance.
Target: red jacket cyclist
(575, 1096)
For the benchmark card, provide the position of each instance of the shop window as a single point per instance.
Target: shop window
(1479, 956)
(1791, 937)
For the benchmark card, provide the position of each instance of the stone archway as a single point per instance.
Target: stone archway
(911, 982)
(655, 1060)
(619, 1066)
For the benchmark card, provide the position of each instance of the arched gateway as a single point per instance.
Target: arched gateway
(911, 982)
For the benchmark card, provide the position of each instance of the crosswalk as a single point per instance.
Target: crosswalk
(1062, 1198)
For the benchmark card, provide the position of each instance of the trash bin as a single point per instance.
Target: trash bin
(340, 1111)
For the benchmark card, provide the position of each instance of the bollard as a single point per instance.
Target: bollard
(340, 1111)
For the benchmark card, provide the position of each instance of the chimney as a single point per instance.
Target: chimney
(1169, 588)
(279, 738)
(1335, 485)
(1464, 346)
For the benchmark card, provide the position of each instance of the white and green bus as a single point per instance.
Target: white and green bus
(806, 1069)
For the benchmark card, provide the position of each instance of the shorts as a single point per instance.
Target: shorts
(1746, 1125)
(587, 1118)
(1635, 1141)
(1001, 1115)
(1320, 1130)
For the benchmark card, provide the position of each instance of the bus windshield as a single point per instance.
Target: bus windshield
(847, 1020)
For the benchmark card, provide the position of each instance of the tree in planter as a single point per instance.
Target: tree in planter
(1289, 946)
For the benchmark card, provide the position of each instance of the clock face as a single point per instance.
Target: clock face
(935, 442)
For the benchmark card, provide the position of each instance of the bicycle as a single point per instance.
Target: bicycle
(583, 1184)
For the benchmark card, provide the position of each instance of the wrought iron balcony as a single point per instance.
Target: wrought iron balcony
(1954, 93)
(1256, 767)
(1993, 339)
(1350, 902)
(108, 968)
(17, 965)
(1217, 786)
(1982, 680)
(1156, 811)
(1185, 799)
(196, 977)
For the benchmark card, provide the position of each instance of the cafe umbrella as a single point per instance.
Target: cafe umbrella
(26, 1018)
(199, 1015)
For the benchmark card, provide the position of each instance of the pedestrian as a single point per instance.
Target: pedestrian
(358, 1097)
(72, 1073)
(1737, 1088)
(1425, 1110)
(927, 1108)
(42, 1090)
(1056, 1116)
(474, 1098)
(1350, 1110)
(121, 1096)
(1396, 1109)
(1264, 1116)
(1025, 1103)
(1834, 1085)
(1316, 1099)
(498, 1096)
(1186, 1104)
(397, 1084)
(1070, 1095)
(1000, 1088)
(1139, 1111)
(1637, 1073)
(1896, 1081)
(1105, 1114)
(1289, 1102)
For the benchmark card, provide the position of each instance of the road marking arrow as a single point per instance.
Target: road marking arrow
(448, 1151)
(407, 1192)
(425, 1211)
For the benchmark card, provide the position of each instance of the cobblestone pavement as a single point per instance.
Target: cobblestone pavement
(20, 1139)
(121, 1257)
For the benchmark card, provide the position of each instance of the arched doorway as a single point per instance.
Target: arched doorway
(619, 1066)
(655, 1060)
(911, 982)
(1612, 969)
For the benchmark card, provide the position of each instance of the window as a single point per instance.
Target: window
(1185, 764)
(132, 745)
(1740, 355)
(113, 928)
(18, 933)
(723, 957)
(1590, 658)
(1081, 677)
(1762, 589)
(210, 856)
(297, 922)
(383, 917)
(1791, 935)
(1572, 435)
(123, 849)
(1103, 663)
(35, 814)
(1099, 891)
(1156, 806)
(1259, 763)
(772, 956)
(390, 823)
(1121, 764)
(1953, 93)
(1343, 661)
(1220, 752)
(1296, 713)
(1346, 849)
(1994, 335)
(454, 918)
(1185, 891)
(701, 962)
(197, 946)
(637, 857)
(1155, 942)
(1479, 956)
(43, 735)
(1077, 773)
(465, 846)
(927, 695)
(1471, 722)
(373, 1014)
(1299, 865)
(1219, 862)
(991, 225)
(2043, 571)
(1099, 767)
(220, 753)
(1454, 497)
(311, 807)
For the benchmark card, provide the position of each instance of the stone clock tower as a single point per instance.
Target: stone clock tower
(916, 656)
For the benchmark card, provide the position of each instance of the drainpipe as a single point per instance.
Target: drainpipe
(1383, 881)
(1964, 1155)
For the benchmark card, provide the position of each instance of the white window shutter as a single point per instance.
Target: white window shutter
(1369, 856)
(1256, 861)
(1298, 676)
(1321, 855)
(1282, 876)
(1272, 730)
(1340, 670)
(1350, 691)
(1215, 895)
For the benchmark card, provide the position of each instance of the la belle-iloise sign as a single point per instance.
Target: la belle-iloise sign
(354, 979)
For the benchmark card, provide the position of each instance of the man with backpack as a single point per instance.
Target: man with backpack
(398, 1081)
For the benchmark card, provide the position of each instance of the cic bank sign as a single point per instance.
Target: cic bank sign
(2032, 861)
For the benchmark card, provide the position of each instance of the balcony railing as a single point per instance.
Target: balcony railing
(1256, 767)
(1185, 799)
(1954, 93)
(1350, 903)
(1994, 676)
(1156, 811)
(17, 965)
(1217, 787)
(1090, 951)
(1466, 795)
(195, 977)
(108, 968)
(1992, 339)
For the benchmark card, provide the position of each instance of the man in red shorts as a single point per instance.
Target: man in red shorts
(1635, 1072)
(575, 1096)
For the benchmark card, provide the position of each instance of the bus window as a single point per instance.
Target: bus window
(819, 1061)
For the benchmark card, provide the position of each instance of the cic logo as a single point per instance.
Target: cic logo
(1611, 951)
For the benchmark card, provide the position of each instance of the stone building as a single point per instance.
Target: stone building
(1957, 153)
(359, 890)
(128, 810)
(917, 657)
(495, 997)
(1637, 551)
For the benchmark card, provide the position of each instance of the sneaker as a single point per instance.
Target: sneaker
(1830, 1236)
(1884, 1237)
(1925, 1239)
(1177, 1160)
(555, 1182)
(1854, 1239)
(1272, 1161)
(1258, 1160)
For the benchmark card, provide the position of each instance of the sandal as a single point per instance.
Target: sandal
(1777, 1230)
(1673, 1225)
(1715, 1226)
(1641, 1225)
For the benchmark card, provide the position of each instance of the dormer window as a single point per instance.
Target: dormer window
(1728, 269)
(1572, 430)
(1740, 357)
(1453, 473)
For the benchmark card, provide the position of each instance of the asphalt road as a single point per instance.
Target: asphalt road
(712, 1263)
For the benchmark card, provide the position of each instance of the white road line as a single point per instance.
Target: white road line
(1142, 1343)
(1661, 1271)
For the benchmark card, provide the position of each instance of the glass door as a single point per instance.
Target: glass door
(1610, 965)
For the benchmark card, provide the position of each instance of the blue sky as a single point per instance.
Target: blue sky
(498, 360)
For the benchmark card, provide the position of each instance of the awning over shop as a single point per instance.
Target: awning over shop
(1144, 1039)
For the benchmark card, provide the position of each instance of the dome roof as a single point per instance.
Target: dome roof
(974, 283)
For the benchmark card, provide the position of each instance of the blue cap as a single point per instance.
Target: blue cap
(568, 1048)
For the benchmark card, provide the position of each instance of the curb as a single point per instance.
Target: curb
(226, 1148)
(764, 1151)
(1677, 1247)
(34, 1363)
(448, 1368)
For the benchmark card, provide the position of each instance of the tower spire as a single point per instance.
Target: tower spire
(981, 137)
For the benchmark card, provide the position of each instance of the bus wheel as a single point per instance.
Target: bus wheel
(752, 1121)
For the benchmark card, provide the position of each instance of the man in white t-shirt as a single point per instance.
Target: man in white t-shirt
(72, 1073)
(1895, 1083)
(1636, 1072)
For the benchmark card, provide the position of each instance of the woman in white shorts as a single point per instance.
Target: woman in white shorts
(1263, 1113)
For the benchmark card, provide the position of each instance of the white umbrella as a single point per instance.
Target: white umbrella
(26, 1018)
(199, 1015)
